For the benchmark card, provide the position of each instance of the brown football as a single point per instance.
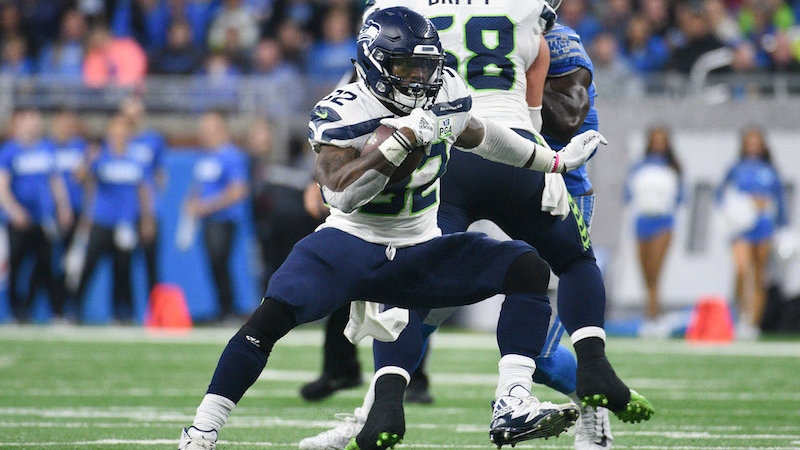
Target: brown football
(407, 167)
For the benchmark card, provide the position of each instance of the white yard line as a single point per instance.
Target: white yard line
(313, 336)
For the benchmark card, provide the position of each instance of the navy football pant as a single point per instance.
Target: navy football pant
(330, 268)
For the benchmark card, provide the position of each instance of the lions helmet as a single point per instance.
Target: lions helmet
(400, 58)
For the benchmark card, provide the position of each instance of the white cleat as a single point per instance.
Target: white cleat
(593, 430)
(195, 439)
(517, 419)
(337, 438)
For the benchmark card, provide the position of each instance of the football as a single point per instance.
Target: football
(407, 167)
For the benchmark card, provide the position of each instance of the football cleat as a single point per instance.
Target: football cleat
(517, 419)
(339, 437)
(593, 430)
(195, 439)
(326, 385)
(637, 409)
(385, 440)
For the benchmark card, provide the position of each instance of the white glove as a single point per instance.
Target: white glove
(421, 122)
(579, 149)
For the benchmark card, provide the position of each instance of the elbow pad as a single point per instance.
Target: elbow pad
(503, 145)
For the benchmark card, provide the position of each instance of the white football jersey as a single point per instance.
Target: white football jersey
(492, 43)
(403, 214)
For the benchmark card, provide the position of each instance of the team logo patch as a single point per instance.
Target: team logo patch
(445, 127)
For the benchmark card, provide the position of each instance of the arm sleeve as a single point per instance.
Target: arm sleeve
(501, 144)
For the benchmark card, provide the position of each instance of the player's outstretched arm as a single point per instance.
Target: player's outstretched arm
(499, 143)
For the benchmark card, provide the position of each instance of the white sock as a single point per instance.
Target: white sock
(213, 412)
(369, 398)
(516, 376)
(587, 332)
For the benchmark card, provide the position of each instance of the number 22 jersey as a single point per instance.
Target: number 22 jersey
(403, 214)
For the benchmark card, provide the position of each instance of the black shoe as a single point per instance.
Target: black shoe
(417, 391)
(326, 385)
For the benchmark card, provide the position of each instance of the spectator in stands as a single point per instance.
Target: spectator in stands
(198, 13)
(232, 48)
(219, 194)
(180, 56)
(276, 78)
(575, 14)
(63, 59)
(39, 22)
(216, 84)
(70, 150)
(645, 52)
(656, 12)
(653, 188)
(329, 58)
(614, 15)
(112, 61)
(723, 24)
(783, 58)
(697, 37)
(294, 42)
(15, 62)
(34, 198)
(10, 20)
(753, 198)
(147, 147)
(120, 200)
(233, 15)
(146, 21)
(612, 73)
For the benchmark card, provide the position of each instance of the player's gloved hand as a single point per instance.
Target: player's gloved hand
(579, 149)
(421, 122)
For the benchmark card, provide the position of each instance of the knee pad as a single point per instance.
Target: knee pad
(269, 322)
(528, 273)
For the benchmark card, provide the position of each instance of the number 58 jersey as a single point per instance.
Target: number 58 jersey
(403, 214)
(491, 43)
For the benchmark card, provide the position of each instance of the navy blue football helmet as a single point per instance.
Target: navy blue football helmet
(400, 58)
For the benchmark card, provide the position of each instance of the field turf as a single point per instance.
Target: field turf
(125, 388)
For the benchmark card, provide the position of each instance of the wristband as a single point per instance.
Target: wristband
(395, 148)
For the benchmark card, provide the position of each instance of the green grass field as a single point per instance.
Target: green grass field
(122, 388)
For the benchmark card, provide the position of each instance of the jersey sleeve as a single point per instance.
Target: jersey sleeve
(454, 100)
(6, 155)
(343, 119)
(566, 52)
(237, 167)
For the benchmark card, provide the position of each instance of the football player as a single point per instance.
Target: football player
(384, 243)
(478, 189)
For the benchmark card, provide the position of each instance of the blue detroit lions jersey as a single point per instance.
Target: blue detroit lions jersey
(758, 178)
(116, 198)
(405, 213)
(566, 56)
(217, 170)
(30, 168)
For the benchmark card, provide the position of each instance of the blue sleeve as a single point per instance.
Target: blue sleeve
(728, 179)
(627, 196)
(237, 167)
(5, 158)
(121, 22)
